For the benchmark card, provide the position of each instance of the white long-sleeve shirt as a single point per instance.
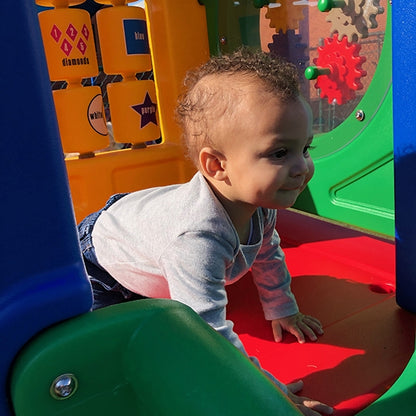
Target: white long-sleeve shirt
(178, 242)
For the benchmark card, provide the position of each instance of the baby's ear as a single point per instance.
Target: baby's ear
(212, 164)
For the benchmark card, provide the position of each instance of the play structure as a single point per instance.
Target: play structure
(70, 141)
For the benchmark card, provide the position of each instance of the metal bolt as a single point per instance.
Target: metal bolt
(64, 386)
(360, 115)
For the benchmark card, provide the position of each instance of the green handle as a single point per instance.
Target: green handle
(327, 5)
(313, 72)
(258, 4)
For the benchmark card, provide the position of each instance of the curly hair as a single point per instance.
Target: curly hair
(210, 91)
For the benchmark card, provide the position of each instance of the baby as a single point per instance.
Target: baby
(248, 132)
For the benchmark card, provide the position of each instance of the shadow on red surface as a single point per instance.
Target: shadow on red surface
(368, 339)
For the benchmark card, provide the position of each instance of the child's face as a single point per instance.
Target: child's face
(266, 151)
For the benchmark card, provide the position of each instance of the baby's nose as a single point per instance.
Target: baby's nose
(300, 167)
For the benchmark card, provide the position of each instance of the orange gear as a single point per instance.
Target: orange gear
(286, 16)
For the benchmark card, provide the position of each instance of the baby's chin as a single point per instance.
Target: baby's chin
(281, 205)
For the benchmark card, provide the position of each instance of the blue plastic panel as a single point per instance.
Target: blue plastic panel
(42, 278)
(404, 118)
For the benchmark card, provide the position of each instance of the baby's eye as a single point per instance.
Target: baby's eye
(306, 150)
(279, 153)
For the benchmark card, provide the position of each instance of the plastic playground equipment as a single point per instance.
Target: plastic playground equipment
(58, 358)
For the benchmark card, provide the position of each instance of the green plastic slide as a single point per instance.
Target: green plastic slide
(150, 357)
(400, 398)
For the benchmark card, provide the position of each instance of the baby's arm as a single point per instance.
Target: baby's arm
(197, 280)
(299, 325)
(273, 283)
(308, 407)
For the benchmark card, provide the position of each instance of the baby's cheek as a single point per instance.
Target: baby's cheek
(311, 170)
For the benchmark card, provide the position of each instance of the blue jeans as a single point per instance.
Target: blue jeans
(106, 290)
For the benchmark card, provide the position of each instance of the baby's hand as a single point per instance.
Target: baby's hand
(308, 407)
(299, 325)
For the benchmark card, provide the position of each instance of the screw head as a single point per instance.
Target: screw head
(360, 115)
(64, 386)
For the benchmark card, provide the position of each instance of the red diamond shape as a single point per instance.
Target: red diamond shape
(56, 33)
(66, 47)
(82, 46)
(85, 32)
(72, 32)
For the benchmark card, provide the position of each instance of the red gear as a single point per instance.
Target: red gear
(343, 59)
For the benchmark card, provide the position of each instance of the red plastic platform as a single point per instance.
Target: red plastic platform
(346, 279)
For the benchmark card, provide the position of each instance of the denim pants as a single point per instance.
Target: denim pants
(106, 290)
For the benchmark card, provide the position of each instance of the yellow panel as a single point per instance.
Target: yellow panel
(69, 44)
(81, 119)
(118, 28)
(58, 3)
(178, 41)
(95, 179)
(133, 111)
(115, 2)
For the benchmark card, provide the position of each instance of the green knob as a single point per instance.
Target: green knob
(313, 72)
(260, 3)
(327, 5)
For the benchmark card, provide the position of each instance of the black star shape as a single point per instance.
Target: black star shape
(147, 111)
